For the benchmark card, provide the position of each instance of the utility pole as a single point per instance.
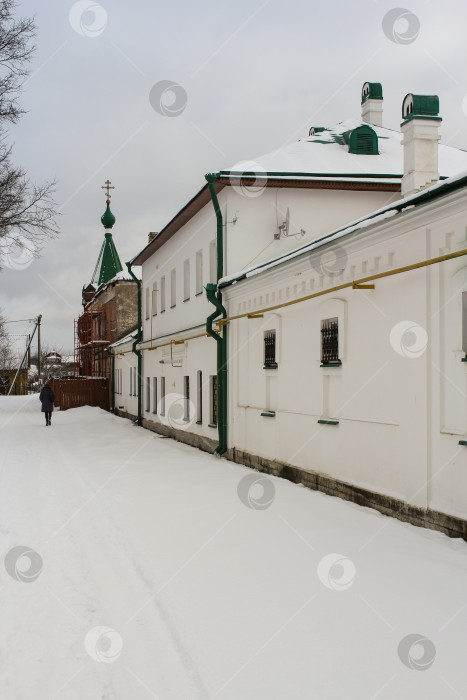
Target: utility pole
(39, 319)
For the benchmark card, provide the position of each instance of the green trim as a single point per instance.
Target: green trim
(187, 299)
(137, 341)
(274, 366)
(463, 442)
(331, 364)
(425, 117)
(464, 359)
(212, 425)
(269, 414)
(322, 421)
(271, 175)
(198, 294)
(199, 422)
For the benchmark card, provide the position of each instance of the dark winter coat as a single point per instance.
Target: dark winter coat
(47, 397)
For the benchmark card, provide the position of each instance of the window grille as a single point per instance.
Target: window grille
(330, 342)
(270, 349)
(154, 394)
(148, 394)
(162, 396)
(214, 400)
(187, 399)
(200, 397)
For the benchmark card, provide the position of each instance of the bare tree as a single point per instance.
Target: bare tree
(27, 210)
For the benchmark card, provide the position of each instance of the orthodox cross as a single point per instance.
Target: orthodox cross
(108, 187)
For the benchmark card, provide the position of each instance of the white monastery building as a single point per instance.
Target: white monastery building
(306, 314)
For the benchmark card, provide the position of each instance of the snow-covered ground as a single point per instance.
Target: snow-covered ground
(153, 570)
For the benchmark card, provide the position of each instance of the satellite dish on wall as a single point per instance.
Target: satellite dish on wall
(284, 228)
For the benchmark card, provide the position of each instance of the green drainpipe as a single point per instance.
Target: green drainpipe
(137, 341)
(221, 339)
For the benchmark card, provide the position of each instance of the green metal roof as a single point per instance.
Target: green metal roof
(108, 262)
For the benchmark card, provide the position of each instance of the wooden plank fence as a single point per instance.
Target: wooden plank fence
(87, 391)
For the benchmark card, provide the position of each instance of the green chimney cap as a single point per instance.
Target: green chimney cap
(107, 218)
(424, 106)
(372, 91)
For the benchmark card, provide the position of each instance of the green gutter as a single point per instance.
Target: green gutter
(221, 340)
(137, 340)
(262, 173)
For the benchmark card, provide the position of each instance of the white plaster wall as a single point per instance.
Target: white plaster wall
(251, 239)
(194, 355)
(401, 414)
(196, 235)
(125, 361)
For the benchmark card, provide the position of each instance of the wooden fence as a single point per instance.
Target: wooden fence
(72, 393)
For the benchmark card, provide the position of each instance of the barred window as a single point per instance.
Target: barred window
(213, 400)
(270, 349)
(330, 342)
(186, 415)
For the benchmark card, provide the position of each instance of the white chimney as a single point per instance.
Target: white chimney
(420, 141)
(372, 104)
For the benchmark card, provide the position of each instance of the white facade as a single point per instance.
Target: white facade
(389, 415)
(399, 396)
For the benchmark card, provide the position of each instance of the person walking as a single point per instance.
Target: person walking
(47, 398)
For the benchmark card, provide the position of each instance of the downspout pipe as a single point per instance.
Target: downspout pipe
(221, 341)
(137, 341)
(215, 298)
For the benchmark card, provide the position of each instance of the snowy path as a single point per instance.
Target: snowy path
(204, 597)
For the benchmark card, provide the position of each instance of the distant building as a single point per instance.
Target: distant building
(110, 308)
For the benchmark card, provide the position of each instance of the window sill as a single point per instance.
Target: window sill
(172, 306)
(186, 420)
(198, 294)
(331, 364)
(463, 442)
(274, 366)
(322, 421)
(187, 299)
(199, 422)
(212, 425)
(464, 359)
(269, 414)
(162, 311)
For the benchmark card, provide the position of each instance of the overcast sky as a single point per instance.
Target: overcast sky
(256, 74)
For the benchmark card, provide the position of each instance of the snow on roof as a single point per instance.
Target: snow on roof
(327, 153)
(126, 339)
(402, 205)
